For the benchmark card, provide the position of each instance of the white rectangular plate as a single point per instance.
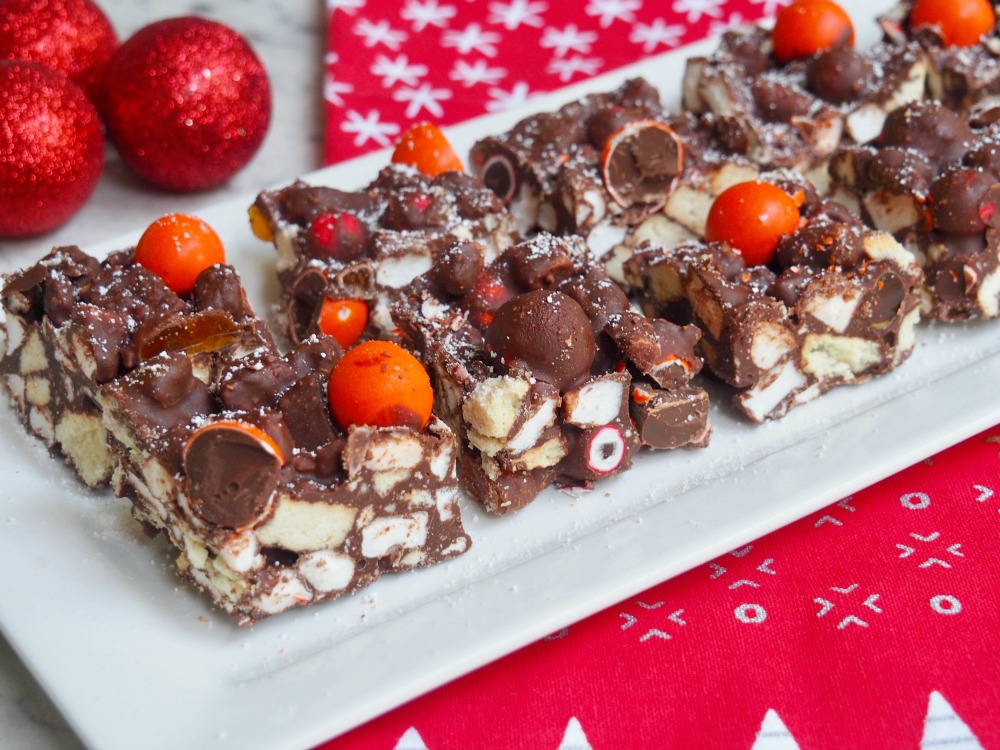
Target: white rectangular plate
(95, 609)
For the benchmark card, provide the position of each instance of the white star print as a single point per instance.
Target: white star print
(424, 13)
(650, 36)
(369, 128)
(501, 100)
(477, 72)
(472, 38)
(609, 11)
(721, 27)
(568, 67)
(514, 14)
(379, 33)
(350, 7)
(695, 9)
(332, 89)
(399, 70)
(424, 97)
(770, 7)
(570, 39)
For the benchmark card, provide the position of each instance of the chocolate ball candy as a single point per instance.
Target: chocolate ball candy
(955, 197)
(546, 333)
(837, 74)
(930, 127)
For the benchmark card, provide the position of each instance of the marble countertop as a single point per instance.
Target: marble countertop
(289, 38)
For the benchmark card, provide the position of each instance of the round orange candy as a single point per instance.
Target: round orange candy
(424, 147)
(961, 23)
(809, 26)
(344, 319)
(752, 217)
(177, 248)
(379, 383)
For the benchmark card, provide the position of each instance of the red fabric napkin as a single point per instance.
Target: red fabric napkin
(396, 62)
(870, 624)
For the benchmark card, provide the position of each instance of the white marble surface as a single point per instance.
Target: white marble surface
(289, 38)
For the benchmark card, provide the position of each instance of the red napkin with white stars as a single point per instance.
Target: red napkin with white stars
(869, 624)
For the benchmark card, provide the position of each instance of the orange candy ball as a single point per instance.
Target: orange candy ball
(177, 248)
(809, 26)
(380, 384)
(961, 23)
(752, 217)
(344, 319)
(424, 147)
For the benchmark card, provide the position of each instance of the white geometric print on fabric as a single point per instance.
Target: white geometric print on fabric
(943, 728)
(773, 734)
(574, 738)
(411, 740)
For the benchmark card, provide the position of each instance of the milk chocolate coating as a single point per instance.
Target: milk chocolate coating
(457, 267)
(644, 163)
(838, 74)
(544, 332)
(930, 127)
(955, 197)
(230, 476)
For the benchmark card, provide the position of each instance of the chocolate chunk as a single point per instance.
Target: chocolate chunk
(317, 354)
(539, 267)
(303, 303)
(507, 492)
(219, 287)
(778, 101)
(243, 388)
(304, 407)
(457, 267)
(668, 419)
(885, 300)
(163, 394)
(103, 333)
(899, 170)
(820, 244)
(546, 333)
(231, 474)
(930, 127)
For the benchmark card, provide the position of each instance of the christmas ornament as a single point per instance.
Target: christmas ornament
(186, 103)
(71, 36)
(51, 148)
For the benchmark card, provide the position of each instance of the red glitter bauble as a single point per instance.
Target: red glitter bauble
(71, 36)
(51, 148)
(186, 103)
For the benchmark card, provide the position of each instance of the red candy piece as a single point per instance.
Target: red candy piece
(344, 319)
(961, 23)
(338, 236)
(424, 147)
(177, 248)
(380, 384)
(809, 26)
(752, 217)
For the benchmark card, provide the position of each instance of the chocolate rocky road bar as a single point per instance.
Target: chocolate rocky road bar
(370, 244)
(839, 306)
(186, 407)
(545, 372)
